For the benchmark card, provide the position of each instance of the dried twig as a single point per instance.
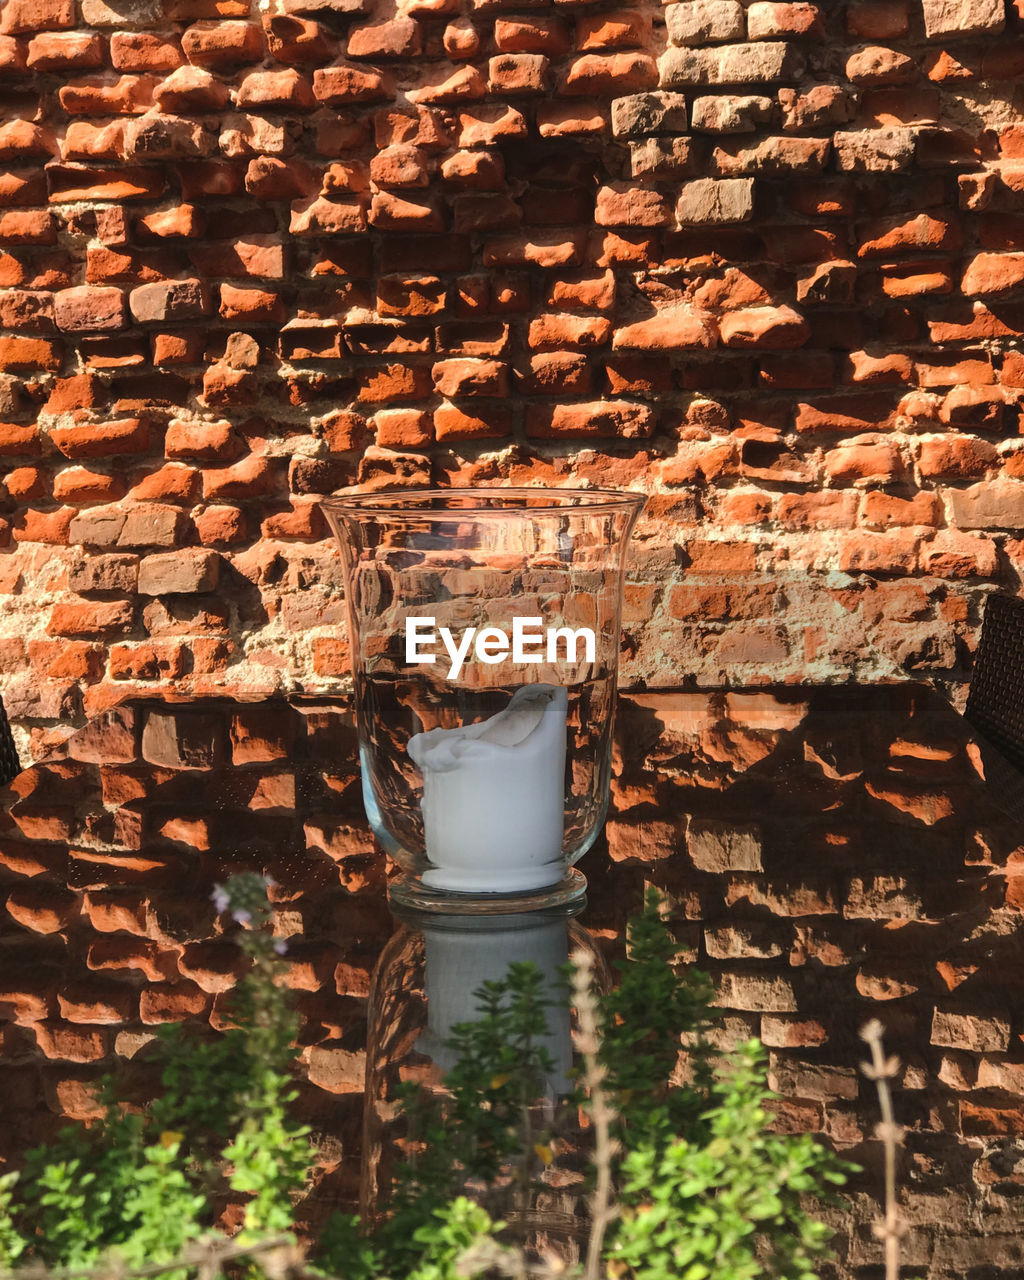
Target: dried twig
(282, 1257)
(881, 1070)
(602, 1210)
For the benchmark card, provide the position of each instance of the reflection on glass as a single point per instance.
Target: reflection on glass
(425, 986)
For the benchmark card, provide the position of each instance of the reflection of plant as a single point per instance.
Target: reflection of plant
(688, 1183)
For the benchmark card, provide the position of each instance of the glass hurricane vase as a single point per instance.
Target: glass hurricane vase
(484, 628)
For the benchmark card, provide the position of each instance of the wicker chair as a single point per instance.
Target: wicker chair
(995, 701)
(10, 765)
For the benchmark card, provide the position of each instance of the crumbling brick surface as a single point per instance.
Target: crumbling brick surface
(760, 260)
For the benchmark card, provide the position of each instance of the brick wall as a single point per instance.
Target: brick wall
(759, 259)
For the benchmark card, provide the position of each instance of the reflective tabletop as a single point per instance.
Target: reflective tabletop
(829, 855)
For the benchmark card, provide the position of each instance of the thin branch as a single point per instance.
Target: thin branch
(602, 1210)
(206, 1255)
(881, 1070)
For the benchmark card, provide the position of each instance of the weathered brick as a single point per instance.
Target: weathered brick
(956, 18)
(91, 618)
(730, 64)
(970, 1030)
(174, 300)
(710, 201)
(769, 21)
(697, 22)
(102, 439)
(183, 571)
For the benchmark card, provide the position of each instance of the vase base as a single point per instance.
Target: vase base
(427, 895)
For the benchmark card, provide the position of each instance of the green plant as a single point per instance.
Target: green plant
(139, 1186)
(725, 1206)
(689, 1184)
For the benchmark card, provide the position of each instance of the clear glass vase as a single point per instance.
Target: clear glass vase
(484, 628)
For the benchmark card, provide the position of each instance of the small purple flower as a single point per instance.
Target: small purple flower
(221, 898)
(241, 915)
(280, 946)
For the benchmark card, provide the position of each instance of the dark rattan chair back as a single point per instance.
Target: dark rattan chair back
(995, 701)
(10, 765)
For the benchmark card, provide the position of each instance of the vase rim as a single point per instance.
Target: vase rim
(484, 502)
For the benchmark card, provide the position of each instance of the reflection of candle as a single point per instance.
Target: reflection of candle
(494, 796)
(464, 952)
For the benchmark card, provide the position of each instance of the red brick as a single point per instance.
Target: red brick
(403, 429)
(171, 483)
(608, 418)
(777, 328)
(316, 216)
(486, 126)
(878, 19)
(331, 656)
(51, 527)
(22, 138)
(452, 422)
(252, 477)
(674, 329)
(91, 618)
(825, 510)
(71, 183)
(151, 661)
(86, 307)
(27, 226)
(220, 526)
(167, 1002)
(340, 84)
(190, 89)
(144, 51)
(184, 571)
(299, 40)
(26, 309)
(22, 16)
(892, 552)
(398, 37)
(885, 510)
(551, 332)
(79, 485)
(28, 354)
(19, 441)
(26, 483)
(102, 439)
(394, 382)
(461, 39)
(212, 44)
(471, 378)
(864, 461)
(610, 75)
(259, 735)
(257, 306)
(993, 273)
(105, 573)
(174, 300)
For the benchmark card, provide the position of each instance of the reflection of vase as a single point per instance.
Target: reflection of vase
(484, 627)
(423, 986)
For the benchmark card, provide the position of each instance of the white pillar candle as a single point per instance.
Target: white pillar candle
(494, 796)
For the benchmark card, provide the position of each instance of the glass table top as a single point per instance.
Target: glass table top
(829, 855)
